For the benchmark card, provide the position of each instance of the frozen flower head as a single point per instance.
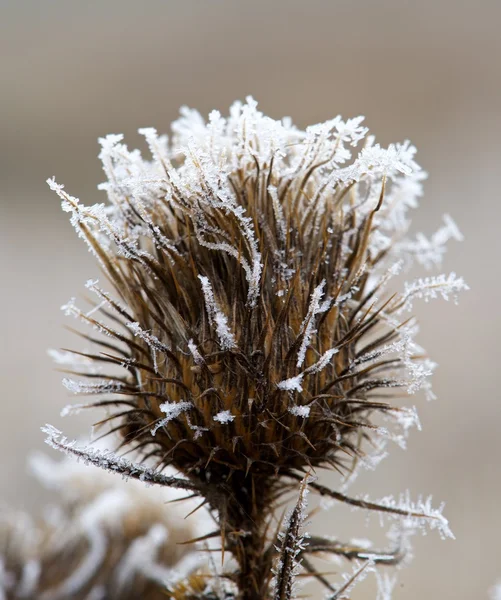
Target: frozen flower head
(246, 329)
(101, 539)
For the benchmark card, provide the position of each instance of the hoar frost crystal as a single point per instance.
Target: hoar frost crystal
(246, 332)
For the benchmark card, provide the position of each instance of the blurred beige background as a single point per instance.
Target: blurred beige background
(428, 71)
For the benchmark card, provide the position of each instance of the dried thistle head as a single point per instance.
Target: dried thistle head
(251, 320)
(102, 538)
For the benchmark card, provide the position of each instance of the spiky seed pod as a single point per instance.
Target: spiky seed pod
(101, 539)
(250, 262)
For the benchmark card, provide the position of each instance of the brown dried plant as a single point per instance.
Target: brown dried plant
(100, 539)
(250, 339)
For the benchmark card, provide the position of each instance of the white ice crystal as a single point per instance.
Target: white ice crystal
(295, 383)
(224, 417)
(385, 585)
(96, 387)
(432, 287)
(308, 326)
(291, 384)
(197, 357)
(300, 411)
(172, 410)
(215, 315)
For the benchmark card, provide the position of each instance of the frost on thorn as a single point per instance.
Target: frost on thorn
(216, 316)
(291, 384)
(292, 543)
(97, 387)
(197, 357)
(308, 325)
(432, 287)
(300, 411)
(172, 410)
(224, 416)
(359, 573)
(105, 459)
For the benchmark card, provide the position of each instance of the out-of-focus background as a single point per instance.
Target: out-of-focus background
(428, 71)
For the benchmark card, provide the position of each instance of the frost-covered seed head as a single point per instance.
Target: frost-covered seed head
(252, 314)
(102, 538)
